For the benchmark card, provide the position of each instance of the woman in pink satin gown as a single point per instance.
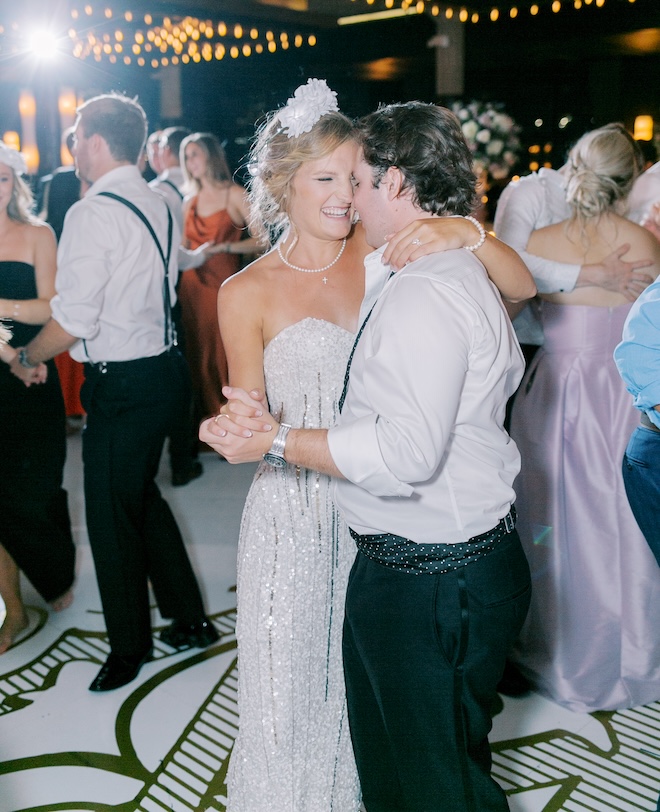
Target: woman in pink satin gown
(591, 639)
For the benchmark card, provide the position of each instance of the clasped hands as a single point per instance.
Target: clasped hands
(38, 374)
(244, 430)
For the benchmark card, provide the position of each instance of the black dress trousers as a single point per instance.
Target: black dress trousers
(131, 408)
(422, 658)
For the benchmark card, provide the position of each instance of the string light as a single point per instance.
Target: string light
(466, 14)
(177, 37)
(121, 37)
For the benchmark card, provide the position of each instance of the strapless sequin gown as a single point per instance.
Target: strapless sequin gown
(591, 640)
(293, 751)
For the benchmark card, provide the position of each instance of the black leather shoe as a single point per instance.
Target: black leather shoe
(118, 671)
(180, 478)
(190, 635)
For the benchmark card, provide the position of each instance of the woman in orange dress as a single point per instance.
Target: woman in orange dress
(216, 211)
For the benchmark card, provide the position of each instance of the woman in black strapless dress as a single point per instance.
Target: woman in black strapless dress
(35, 531)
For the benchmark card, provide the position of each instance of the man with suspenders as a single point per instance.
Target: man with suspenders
(117, 271)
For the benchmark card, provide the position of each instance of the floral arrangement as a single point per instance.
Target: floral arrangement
(306, 106)
(492, 136)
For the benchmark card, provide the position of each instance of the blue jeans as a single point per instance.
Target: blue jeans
(641, 476)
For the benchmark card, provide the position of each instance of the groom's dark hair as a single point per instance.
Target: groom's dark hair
(426, 143)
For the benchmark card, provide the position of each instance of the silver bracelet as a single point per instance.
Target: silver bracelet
(482, 234)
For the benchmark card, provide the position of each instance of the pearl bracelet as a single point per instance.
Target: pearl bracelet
(482, 234)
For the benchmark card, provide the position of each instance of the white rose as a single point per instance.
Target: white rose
(495, 147)
(470, 129)
(483, 136)
(503, 122)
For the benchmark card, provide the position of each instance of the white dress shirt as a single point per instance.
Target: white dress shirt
(536, 201)
(645, 192)
(420, 439)
(525, 205)
(187, 258)
(109, 273)
(162, 185)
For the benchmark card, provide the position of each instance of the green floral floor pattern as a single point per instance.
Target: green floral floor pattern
(551, 770)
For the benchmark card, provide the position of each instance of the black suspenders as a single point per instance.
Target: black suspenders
(170, 332)
(173, 186)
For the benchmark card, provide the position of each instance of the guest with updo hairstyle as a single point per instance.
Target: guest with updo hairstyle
(215, 211)
(35, 531)
(591, 639)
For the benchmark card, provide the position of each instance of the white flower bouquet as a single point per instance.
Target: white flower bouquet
(491, 134)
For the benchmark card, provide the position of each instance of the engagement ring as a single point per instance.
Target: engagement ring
(416, 241)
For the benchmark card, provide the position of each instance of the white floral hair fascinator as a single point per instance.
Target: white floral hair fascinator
(13, 158)
(306, 106)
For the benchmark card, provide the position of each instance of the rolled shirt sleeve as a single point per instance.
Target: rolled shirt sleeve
(526, 205)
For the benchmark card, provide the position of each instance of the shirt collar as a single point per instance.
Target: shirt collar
(376, 275)
(122, 174)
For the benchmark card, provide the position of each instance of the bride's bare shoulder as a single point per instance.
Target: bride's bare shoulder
(252, 279)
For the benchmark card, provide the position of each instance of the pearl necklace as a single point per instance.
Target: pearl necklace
(312, 270)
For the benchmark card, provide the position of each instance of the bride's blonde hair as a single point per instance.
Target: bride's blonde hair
(275, 158)
(602, 168)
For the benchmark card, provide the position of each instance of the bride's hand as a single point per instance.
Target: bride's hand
(428, 236)
(245, 411)
(242, 432)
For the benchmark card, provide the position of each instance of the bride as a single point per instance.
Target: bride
(288, 323)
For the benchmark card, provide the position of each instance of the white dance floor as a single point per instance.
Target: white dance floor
(164, 741)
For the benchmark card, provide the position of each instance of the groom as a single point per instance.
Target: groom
(424, 469)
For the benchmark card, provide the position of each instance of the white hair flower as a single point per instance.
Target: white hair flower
(13, 159)
(306, 106)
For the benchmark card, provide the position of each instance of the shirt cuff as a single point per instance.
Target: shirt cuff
(356, 452)
(647, 398)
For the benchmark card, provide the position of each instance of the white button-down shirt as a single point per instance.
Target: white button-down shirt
(536, 201)
(420, 439)
(163, 185)
(645, 192)
(110, 275)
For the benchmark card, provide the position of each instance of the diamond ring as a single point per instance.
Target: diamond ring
(416, 242)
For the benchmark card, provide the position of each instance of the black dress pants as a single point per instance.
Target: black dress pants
(131, 407)
(422, 658)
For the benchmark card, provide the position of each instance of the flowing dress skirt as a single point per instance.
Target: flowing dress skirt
(293, 752)
(592, 637)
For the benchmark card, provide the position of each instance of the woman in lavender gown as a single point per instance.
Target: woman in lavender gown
(591, 638)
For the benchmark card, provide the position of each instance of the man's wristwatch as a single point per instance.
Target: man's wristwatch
(276, 454)
(23, 359)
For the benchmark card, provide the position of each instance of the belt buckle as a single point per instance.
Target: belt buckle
(102, 367)
(509, 522)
